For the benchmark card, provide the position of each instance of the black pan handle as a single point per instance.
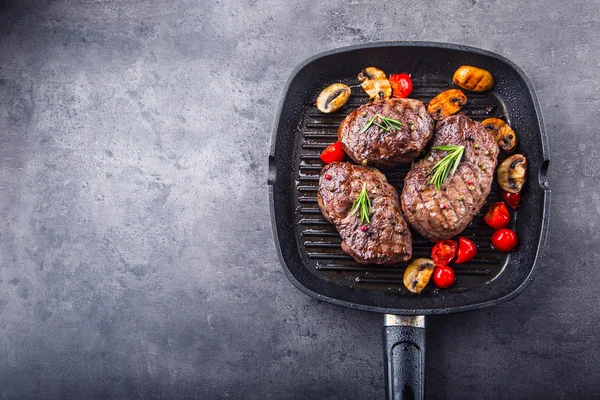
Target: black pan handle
(404, 352)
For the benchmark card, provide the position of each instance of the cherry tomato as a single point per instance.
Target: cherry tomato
(504, 240)
(335, 152)
(443, 276)
(443, 252)
(466, 250)
(497, 215)
(512, 199)
(401, 85)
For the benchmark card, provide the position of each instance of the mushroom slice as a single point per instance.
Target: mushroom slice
(375, 83)
(504, 135)
(333, 97)
(512, 173)
(447, 103)
(418, 273)
(473, 78)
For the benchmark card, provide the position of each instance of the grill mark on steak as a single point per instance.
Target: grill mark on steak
(449, 212)
(387, 240)
(386, 149)
(439, 213)
(460, 188)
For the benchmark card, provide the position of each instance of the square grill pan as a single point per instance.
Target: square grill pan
(309, 246)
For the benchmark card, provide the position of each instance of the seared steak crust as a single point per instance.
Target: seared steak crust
(442, 214)
(384, 149)
(387, 239)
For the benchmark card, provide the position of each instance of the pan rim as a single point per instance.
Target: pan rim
(543, 185)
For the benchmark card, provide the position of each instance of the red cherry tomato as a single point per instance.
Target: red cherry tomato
(443, 276)
(335, 152)
(401, 85)
(497, 215)
(443, 252)
(504, 240)
(466, 250)
(512, 199)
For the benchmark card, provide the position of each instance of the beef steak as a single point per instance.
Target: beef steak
(442, 214)
(386, 148)
(387, 239)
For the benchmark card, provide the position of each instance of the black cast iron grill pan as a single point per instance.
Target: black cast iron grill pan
(309, 246)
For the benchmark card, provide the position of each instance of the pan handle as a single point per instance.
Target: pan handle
(404, 352)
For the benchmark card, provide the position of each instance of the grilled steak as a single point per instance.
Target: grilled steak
(386, 148)
(441, 214)
(386, 239)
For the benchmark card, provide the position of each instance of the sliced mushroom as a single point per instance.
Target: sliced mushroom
(473, 78)
(375, 83)
(512, 173)
(504, 135)
(418, 273)
(446, 103)
(333, 97)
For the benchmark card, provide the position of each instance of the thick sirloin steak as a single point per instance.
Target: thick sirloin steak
(442, 214)
(384, 149)
(387, 239)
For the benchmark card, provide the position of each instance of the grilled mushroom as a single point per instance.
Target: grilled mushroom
(512, 173)
(504, 135)
(375, 83)
(446, 103)
(473, 78)
(418, 273)
(333, 97)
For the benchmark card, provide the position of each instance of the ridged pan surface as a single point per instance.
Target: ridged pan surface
(316, 262)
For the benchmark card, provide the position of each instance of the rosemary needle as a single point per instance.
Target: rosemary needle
(369, 123)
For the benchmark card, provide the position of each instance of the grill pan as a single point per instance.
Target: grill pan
(309, 247)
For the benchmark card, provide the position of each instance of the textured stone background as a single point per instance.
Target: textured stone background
(136, 256)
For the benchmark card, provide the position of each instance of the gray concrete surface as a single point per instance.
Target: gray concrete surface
(136, 256)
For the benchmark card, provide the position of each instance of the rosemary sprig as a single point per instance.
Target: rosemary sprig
(446, 166)
(362, 205)
(389, 124)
